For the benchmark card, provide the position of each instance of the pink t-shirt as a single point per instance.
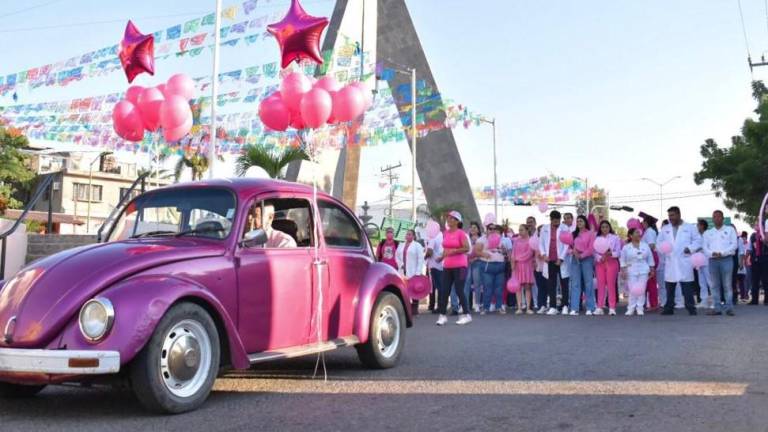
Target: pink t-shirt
(585, 243)
(553, 243)
(522, 252)
(454, 240)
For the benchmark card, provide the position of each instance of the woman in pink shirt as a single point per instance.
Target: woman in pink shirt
(582, 267)
(607, 269)
(455, 248)
(522, 268)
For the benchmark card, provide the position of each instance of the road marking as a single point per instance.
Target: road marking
(437, 387)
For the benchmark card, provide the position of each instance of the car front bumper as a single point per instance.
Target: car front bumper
(58, 362)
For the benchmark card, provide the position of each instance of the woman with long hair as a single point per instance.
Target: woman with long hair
(607, 269)
(455, 248)
(650, 232)
(523, 264)
(637, 266)
(410, 261)
(582, 266)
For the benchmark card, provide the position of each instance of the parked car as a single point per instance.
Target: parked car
(197, 278)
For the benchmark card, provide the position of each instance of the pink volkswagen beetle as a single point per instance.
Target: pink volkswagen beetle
(197, 278)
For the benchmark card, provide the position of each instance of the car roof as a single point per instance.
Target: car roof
(246, 187)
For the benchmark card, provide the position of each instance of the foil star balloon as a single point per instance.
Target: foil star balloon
(137, 52)
(298, 35)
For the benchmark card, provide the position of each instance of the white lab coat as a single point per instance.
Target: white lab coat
(677, 265)
(562, 248)
(637, 260)
(414, 264)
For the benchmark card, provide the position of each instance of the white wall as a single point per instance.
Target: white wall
(15, 248)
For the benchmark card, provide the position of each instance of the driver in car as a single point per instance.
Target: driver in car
(275, 238)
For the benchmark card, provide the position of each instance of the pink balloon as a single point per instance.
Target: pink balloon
(132, 94)
(126, 120)
(433, 229)
(297, 122)
(329, 84)
(634, 223)
(637, 289)
(666, 247)
(566, 237)
(489, 219)
(419, 287)
(161, 87)
(533, 242)
(348, 104)
(293, 87)
(149, 103)
(181, 85)
(180, 131)
(513, 285)
(543, 207)
(367, 95)
(601, 245)
(274, 114)
(699, 260)
(316, 106)
(174, 112)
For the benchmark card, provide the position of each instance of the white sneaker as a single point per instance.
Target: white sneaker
(564, 311)
(599, 311)
(492, 309)
(640, 311)
(589, 313)
(476, 309)
(542, 310)
(466, 319)
(552, 311)
(573, 313)
(612, 312)
(441, 320)
(630, 312)
(502, 310)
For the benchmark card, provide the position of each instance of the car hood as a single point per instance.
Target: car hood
(47, 294)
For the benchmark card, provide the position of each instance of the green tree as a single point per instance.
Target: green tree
(272, 160)
(14, 169)
(197, 162)
(738, 174)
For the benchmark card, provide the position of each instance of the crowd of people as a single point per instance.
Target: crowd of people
(579, 264)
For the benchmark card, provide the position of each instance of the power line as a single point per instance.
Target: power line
(666, 198)
(29, 8)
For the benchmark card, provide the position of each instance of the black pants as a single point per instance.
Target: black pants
(759, 275)
(453, 278)
(565, 298)
(551, 286)
(436, 276)
(688, 288)
(541, 286)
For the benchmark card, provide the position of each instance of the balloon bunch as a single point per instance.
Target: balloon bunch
(165, 106)
(301, 103)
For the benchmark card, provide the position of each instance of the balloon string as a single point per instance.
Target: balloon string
(317, 262)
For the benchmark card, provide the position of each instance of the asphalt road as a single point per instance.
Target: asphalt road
(501, 373)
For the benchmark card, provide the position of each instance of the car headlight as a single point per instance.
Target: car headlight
(96, 318)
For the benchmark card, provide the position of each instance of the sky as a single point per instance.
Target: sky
(612, 91)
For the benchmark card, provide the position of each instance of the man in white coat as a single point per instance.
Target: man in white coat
(685, 239)
(553, 250)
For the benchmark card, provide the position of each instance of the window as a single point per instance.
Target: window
(81, 192)
(134, 193)
(292, 217)
(339, 228)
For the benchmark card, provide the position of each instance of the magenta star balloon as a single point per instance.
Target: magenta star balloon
(137, 52)
(298, 35)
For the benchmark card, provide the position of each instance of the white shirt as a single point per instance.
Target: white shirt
(436, 244)
(721, 241)
(412, 264)
(637, 260)
(496, 255)
(279, 239)
(677, 264)
(649, 237)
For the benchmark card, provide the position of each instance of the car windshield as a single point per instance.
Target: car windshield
(190, 212)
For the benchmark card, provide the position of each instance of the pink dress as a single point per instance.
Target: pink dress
(523, 256)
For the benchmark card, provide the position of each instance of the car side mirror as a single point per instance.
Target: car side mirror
(257, 237)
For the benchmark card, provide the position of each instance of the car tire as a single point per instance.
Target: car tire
(19, 391)
(386, 336)
(175, 371)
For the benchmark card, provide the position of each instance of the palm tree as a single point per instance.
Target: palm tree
(197, 162)
(271, 160)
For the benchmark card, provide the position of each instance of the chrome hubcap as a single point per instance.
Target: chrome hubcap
(185, 359)
(389, 331)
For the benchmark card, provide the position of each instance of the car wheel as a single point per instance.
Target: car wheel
(386, 335)
(15, 391)
(175, 371)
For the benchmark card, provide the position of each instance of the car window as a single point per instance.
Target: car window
(288, 222)
(339, 228)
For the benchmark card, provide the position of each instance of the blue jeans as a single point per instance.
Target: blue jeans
(437, 282)
(721, 277)
(582, 279)
(493, 284)
(474, 277)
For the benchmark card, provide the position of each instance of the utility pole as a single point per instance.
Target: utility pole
(391, 178)
(214, 89)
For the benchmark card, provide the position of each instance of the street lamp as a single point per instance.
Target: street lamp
(412, 72)
(492, 122)
(661, 191)
(90, 189)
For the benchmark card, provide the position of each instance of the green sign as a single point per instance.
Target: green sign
(401, 226)
(727, 220)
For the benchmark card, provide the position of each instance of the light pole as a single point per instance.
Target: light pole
(661, 192)
(492, 122)
(214, 89)
(412, 72)
(90, 190)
